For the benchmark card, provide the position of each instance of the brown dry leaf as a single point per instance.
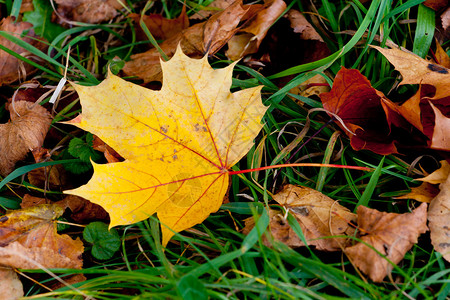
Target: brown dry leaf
(391, 234)
(11, 68)
(445, 19)
(195, 41)
(416, 70)
(302, 26)
(423, 193)
(160, 27)
(439, 220)
(10, 285)
(88, 11)
(436, 4)
(50, 177)
(28, 238)
(441, 133)
(215, 7)
(83, 211)
(25, 131)
(318, 215)
(249, 38)
(27, 5)
(31, 201)
(110, 154)
(439, 176)
(442, 57)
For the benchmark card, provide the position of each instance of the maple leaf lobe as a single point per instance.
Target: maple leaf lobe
(177, 142)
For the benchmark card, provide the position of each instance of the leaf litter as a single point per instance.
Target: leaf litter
(182, 203)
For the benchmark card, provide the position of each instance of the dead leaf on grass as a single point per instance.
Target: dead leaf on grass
(26, 131)
(301, 25)
(11, 68)
(439, 219)
(389, 233)
(28, 236)
(249, 38)
(88, 11)
(10, 285)
(318, 215)
(213, 8)
(195, 41)
(442, 57)
(359, 106)
(160, 27)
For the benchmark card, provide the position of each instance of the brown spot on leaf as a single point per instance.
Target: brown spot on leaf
(437, 68)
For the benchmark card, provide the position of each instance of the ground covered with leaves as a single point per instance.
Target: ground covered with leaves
(224, 149)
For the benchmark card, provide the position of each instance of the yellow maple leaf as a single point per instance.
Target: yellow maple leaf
(178, 143)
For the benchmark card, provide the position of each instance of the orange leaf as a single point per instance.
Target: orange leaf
(178, 143)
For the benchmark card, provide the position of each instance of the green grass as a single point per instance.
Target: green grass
(214, 260)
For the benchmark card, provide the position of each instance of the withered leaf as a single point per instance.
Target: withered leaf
(88, 11)
(439, 211)
(249, 38)
(10, 285)
(26, 130)
(416, 70)
(302, 26)
(318, 215)
(11, 68)
(391, 234)
(423, 193)
(28, 237)
(439, 220)
(358, 104)
(195, 41)
(160, 27)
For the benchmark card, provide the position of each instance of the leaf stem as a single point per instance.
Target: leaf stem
(301, 165)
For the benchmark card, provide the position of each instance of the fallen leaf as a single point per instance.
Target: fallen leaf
(83, 211)
(358, 104)
(442, 57)
(88, 11)
(28, 239)
(389, 233)
(195, 41)
(213, 8)
(26, 130)
(10, 285)
(416, 70)
(436, 4)
(249, 38)
(439, 176)
(302, 26)
(31, 201)
(445, 19)
(439, 219)
(50, 177)
(11, 68)
(441, 134)
(178, 143)
(110, 154)
(160, 27)
(423, 193)
(318, 215)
